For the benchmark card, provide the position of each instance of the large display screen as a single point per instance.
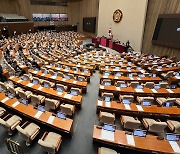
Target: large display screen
(64, 17)
(50, 17)
(167, 31)
(37, 17)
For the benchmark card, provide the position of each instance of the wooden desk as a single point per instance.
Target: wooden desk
(30, 111)
(163, 92)
(60, 80)
(164, 70)
(122, 70)
(173, 80)
(49, 60)
(128, 79)
(147, 111)
(146, 65)
(79, 73)
(48, 92)
(149, 143)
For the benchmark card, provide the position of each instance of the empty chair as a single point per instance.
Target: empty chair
(24, 95)
(167, 75)
(37, 99)
(51, 104)
(149, 85)
(67, 109)
(12, 90)
(154, 126)
(36, 80)
(71, 76)
(60, 74)
(103, 150)
(134, 84)
(51, 72)
(28, 131)
(75, 91)
(81, 78)
(145, 100)
(163, 84)
(10, 122)
(47, 84)
(2, 111)
(50, 142)
(3, 87)
(106, 117)
(130, 98)
(130, 122)
(44, 70)
(107, 97)
(61, 87)
(163, 101)
(174, 126)
(106, 82)
(164, 65)
(26, 77)
(120, 83)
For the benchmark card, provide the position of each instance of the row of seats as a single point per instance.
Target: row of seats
(49, 142)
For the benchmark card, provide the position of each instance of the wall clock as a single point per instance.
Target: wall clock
(117, 16)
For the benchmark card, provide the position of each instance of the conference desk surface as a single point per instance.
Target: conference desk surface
(130, 79)
(48, 92)
(141, 92)
(149, 143)
(167, 69)
(30, 111)
(60, 80)
(122, 70)
(77, 73)
(49, 60)
(138, 110)
(146, 65)
(173, 80)
(116, 64)
(55, 55)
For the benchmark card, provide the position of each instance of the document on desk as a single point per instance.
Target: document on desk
(177, 77)
(175, 146)
(154, 90)
(16, 104)
(100, 103)
(101, 87)
(43, 74)
(142, 71)
(59, 93)
(68, 96)
(38, 114)
(19, 80)
(139, 78)
(131, 78)
(11, 77)
(170, 91)
(40, 88)
(48, 66)
(74, 82)
(105, 76)
(63, 79)
(139, 90)
(35, 72)
(107, 135)
(75, 72)
(139, 107)
(108, 104)
(130, 139)
(118, 88)
(50, 119)
(158, 69)
(127, 106)
(82, 73)
(30, 84)
(53, 77)
(5, 99)
(58, 68)
(116, 77)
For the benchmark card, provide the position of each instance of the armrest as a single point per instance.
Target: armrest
(24, 124)
(44, 135)
(7, 117)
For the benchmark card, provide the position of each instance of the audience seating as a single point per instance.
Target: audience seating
(51, 104)
(142, 99)
(174, 126)
(126, 97)
(2, 111)
(24, 95)
(37, 99)
(61, 86)
(103, 150)
(67, 109)
(106, 117)
(110, 95)
(161, 101)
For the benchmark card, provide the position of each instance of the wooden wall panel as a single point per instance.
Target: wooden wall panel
(156, 7)
(8, 6)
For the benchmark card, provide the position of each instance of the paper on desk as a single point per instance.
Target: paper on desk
(58, 68)
(11, 77)
(42, 74)
(118, 88)
(38, 114)
(15, 104)
(170, 91)
(69, 96)
(5, 99)
(82, 73)
(131, 78)
(30, 84)
(116, 77)
(139, 78)
(107, 135)
(139, 90)
(48, 66)
(19, 80)
(105, 76)
(74, 82)
(53, 77)
(63, 79)
(175, 146)
(59, 93)
(40, 88)
(177, 77)
(127, 106)
(101, 87)
(158, 69)
(50, 119)
(35, 72)
(139, 107)
(130, 139)
(142, 71)
(75, 71)
(100, 103)
(108, 104)
(154, 90)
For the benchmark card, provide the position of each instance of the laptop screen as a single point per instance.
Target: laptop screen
(172, 137)
(109, 127)
(116, 68)
(140, 133)
(142, 75)
(154, 75)
(146, 103)
(10, 95)
(55, 74)
(106, 74)
(128, 68)
(66, 68)
(61, 115)
(41, 108)
(45, 72)
(126, 101)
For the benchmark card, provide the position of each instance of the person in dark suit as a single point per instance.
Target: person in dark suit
(2, 78)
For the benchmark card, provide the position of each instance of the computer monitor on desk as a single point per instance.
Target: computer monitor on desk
(172, 137)
(168, 104)
(126, 101)
(146, 103)
(61, 115)
(109, 127)
(41, 108)
(73, 92)
(140, 132)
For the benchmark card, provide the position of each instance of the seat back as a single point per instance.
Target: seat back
(35, 79)
(75, 89)
(51, 72)
(13, 146)
(127, 97)
(35, 99)
(22, 94)
(104, 95)
(134, 84)
(12, 90)
(50, 104)
(163, 84)
(61, 74)
(64, 88)
(71, 76)
(81, 78)
(149, 85)
(106, 82)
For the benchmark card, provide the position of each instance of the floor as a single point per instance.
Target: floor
(84, 119)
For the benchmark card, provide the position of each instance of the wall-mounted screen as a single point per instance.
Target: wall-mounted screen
(63, 17)
(167, 31)
(37, 17)
(55, 17)
(46, 17)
